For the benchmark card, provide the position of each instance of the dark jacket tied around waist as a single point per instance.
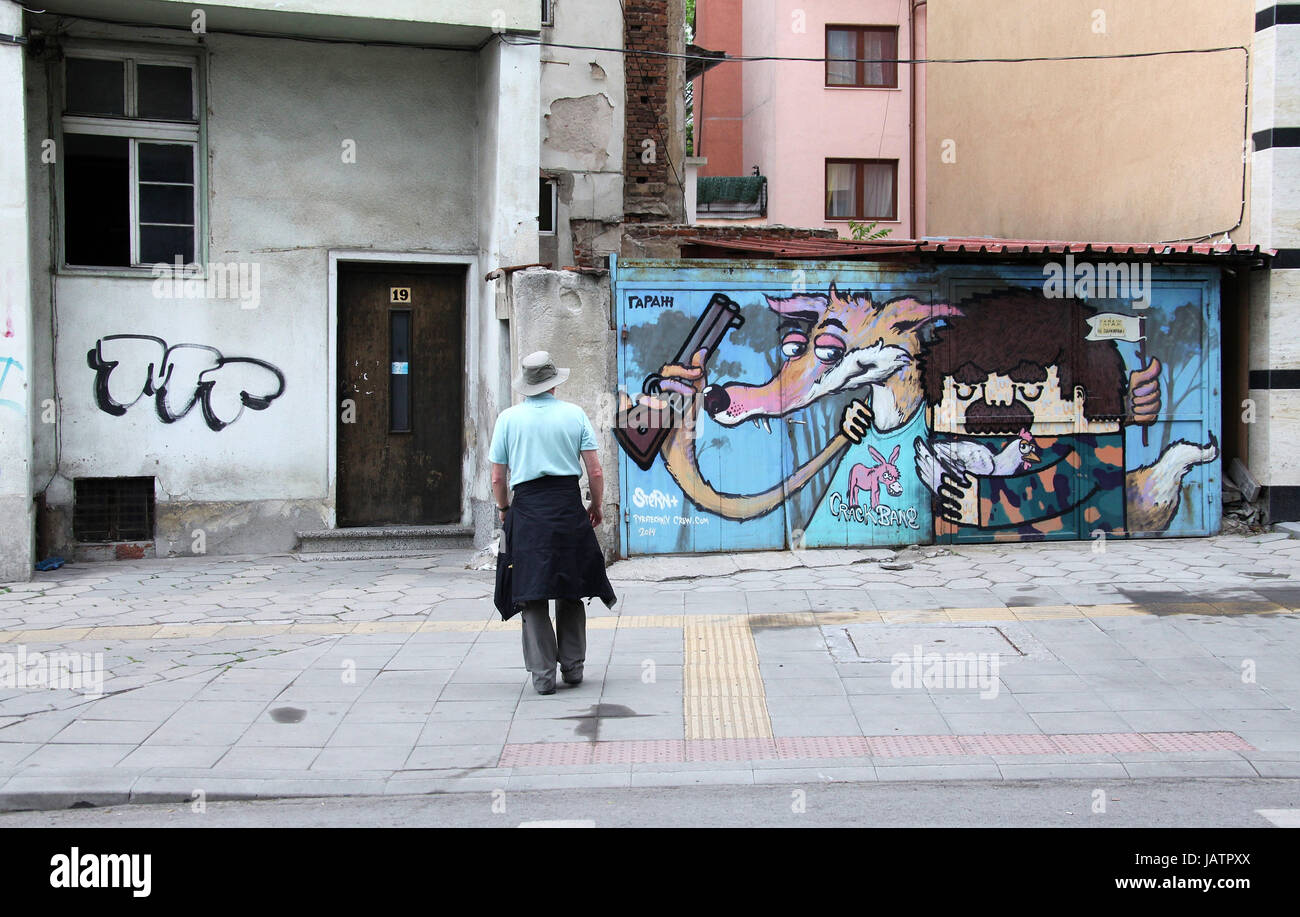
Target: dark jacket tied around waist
(549, 550)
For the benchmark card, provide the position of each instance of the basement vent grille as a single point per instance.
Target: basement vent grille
(113, 509)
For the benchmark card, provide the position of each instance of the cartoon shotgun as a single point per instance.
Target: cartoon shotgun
(641, 431)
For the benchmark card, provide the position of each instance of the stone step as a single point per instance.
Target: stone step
(440, 556)
(393, 540)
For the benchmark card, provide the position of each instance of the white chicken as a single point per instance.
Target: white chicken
(964, 457)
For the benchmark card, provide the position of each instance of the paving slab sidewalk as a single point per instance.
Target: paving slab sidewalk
(276, 676)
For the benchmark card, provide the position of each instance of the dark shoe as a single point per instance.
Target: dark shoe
(573, 676)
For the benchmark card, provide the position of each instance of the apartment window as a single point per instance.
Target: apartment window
(864, 56)
(130, 159)
(861, 189)
(546, 207)
(546, 12)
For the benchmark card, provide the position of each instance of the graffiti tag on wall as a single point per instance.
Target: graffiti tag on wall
(11, 380)
(129, 367)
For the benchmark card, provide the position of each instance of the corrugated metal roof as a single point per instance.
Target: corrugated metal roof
(848, 248)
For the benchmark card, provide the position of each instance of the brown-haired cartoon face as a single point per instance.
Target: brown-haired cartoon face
(1029, 396)
(983, 378)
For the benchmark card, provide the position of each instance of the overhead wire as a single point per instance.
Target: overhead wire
(523, 39)
(519, 39)
(536, 39)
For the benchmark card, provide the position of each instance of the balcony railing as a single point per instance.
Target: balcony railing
(731, 197)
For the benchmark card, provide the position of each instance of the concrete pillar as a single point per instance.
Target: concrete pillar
(16, 527)
(693, 166)
(568, 315)
(509, 150)
(1275, 223)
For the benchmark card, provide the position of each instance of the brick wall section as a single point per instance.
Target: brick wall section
(729, 232)
(660, 240)
(645, 28)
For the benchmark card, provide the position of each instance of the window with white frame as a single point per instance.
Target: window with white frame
(546, 215)
(131, 190)
(547, 12)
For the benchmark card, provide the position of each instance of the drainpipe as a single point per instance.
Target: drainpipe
(911, 130)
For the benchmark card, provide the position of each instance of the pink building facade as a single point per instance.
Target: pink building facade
(838, 141)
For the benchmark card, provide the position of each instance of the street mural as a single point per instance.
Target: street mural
(887, 408)
(129, 367)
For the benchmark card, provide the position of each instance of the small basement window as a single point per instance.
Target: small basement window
(113, 509)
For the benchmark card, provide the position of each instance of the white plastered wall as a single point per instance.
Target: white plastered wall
(16, 406)
(432, 180)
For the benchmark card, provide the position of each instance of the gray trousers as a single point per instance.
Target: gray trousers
(542, 650)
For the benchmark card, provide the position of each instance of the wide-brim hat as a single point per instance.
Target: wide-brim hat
(539, 374)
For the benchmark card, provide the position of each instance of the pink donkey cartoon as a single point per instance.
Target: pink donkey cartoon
(883, 472)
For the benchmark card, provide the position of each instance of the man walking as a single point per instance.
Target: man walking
(549, 549)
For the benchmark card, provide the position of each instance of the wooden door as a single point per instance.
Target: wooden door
(401, 428)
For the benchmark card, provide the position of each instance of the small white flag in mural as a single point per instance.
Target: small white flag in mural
(1112, 326)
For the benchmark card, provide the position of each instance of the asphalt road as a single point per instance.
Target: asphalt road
(1162, 803)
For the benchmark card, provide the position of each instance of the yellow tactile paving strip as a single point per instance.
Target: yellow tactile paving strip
(611, 622)
(722, 688)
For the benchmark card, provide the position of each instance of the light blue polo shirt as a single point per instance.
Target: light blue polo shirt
(541, 436)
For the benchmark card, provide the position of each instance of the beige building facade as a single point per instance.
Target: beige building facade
(1124, 149)
(1129, 143)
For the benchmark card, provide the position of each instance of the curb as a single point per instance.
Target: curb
(174, 787)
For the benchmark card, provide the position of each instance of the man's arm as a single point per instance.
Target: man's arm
(500, 486)
(595, 481)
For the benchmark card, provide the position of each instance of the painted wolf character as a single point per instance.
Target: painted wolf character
(830, 344)
(1154, 492)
